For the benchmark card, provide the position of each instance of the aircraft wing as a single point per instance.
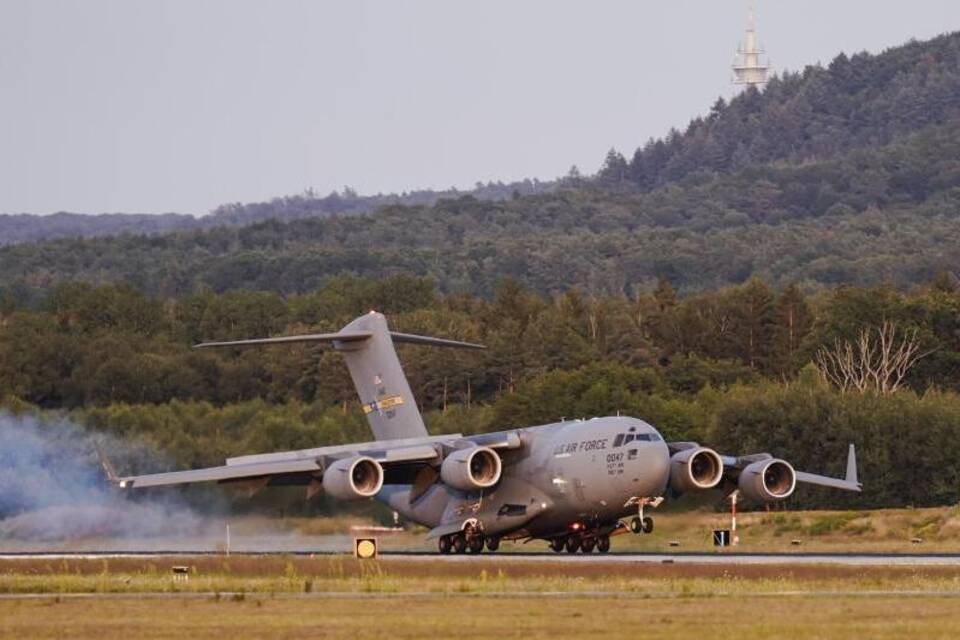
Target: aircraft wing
(849, 483)
(306, 465)
(733, 465)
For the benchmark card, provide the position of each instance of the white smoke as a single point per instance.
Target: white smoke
(52, 487)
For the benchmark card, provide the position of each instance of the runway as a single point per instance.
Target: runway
(719, 558)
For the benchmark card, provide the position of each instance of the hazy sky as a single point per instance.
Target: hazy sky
(152, 106)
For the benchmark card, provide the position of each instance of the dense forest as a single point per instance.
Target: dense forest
(24, 227)
(856, 102)
(734, 368)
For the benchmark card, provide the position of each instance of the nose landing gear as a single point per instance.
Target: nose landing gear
(641, 523)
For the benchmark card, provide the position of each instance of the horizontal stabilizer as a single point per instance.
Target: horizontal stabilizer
(433, 342)
(310, 337)
(343, 337)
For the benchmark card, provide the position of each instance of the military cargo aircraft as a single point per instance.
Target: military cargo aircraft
(572, 483)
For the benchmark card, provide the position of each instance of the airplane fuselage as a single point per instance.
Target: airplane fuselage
(582, 471)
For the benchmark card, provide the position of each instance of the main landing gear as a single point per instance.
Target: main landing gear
(584, 543)
(465, 541)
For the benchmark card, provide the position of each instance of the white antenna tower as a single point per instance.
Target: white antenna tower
(748, 69)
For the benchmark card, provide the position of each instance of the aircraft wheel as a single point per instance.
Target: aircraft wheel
(556, 544)
(444, 544)
(459, 543)
(587, 545)
(475, 544)
(572, 544)
(493, 543)
(603, 544)
(636, 525)
(647, 524)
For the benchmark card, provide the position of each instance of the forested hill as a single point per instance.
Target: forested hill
(842, 174)
(23, 227)
(859, 101)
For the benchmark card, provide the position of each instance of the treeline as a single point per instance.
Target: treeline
(881, 215)
(89, 346)
(309, 204)
(24, 227)
(731, 368)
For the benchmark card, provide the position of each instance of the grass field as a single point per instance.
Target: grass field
(882, 530)
(489, 575)
(484, 616)
(491, 597)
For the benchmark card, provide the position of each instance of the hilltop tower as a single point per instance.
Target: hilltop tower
(749, 69)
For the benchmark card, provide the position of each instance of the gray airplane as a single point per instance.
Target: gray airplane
(572, 483)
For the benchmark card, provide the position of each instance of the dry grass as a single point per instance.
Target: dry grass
(484, 617)
(490, 597)
(340, 574)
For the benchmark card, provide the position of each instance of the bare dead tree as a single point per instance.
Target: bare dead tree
(878, 360)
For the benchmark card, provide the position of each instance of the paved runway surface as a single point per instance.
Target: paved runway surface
(729, 558)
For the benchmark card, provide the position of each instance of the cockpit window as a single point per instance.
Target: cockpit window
(626, 438)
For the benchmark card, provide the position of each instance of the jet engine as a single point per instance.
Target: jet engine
(695, 469)
(471, 469)
(768, 480)
(353, 478)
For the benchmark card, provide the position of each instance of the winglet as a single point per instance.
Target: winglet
(849, 483)
(852, 466)
(107, 465)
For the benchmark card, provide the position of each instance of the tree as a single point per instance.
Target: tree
(878, 361)
(615, 168)
(793, 322)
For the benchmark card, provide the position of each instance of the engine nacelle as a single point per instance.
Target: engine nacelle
(768, 480)
(695, 469)
(471, 469)
(353, 478)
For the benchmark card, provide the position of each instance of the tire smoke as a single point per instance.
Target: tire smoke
(52, 487)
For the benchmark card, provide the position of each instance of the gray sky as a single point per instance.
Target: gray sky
(128, 105)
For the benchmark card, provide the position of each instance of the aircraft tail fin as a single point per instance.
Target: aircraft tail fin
(367, 347)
